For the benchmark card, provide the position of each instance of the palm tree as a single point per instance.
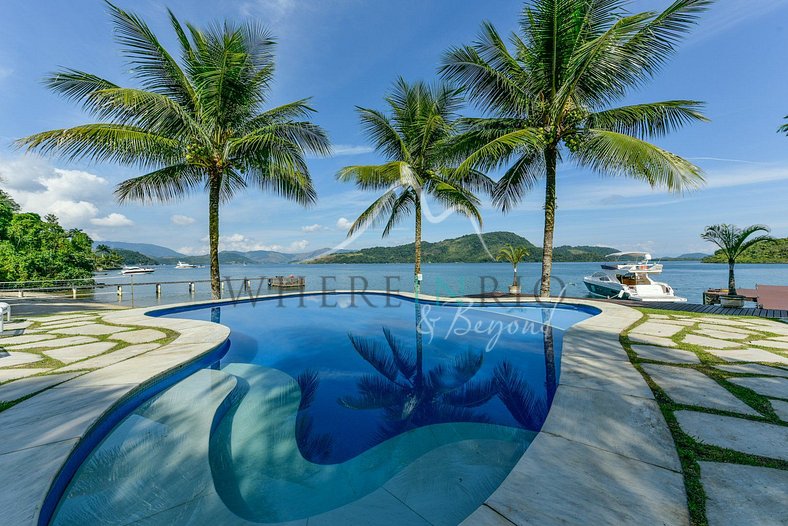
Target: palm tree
(733, 242)
(413, 138)
(513, 255)
(195, 122)
(784, 127)
(548, 99)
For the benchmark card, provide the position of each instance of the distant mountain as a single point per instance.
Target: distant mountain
(149, 254)
(762, 253)
(692, 256)
(154, 251)
(464, 249)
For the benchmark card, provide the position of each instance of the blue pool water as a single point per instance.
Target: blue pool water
(333, 408)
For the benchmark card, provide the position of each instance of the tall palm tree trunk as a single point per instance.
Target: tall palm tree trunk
(731, 278)
(213, 235)
(417, 255)
(550, 155)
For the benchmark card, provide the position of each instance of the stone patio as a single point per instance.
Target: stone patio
(751, 356)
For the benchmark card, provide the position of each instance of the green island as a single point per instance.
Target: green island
(774, 252)
(465, 249)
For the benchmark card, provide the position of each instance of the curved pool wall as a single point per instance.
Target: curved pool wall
(249, 383)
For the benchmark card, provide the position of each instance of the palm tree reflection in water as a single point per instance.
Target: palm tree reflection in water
(452, 391)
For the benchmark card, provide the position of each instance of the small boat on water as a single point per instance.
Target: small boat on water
(630, 280)
(137, 270)
(182, 265)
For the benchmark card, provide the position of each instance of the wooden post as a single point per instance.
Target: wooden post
(21, 293)
(120, 290)
(73, 293)
(192, 288)
(158, 290)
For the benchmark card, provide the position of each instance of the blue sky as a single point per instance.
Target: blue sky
(345, 53)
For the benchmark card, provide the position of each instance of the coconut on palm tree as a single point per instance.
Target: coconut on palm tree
(513, 255)
(548, 96)
(413, 135)
(733, 242)
(194, 122)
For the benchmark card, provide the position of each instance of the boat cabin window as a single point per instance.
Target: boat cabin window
(634, 279)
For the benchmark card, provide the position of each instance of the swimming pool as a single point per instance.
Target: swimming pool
(333, 408)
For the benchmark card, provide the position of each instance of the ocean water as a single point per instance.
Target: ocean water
(688, 278)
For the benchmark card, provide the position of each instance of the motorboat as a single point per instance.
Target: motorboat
(630, 280)
(182, 265)
(137, 270)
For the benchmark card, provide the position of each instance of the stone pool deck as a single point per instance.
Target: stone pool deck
(606, 453)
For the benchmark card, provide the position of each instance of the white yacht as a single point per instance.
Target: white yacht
(182, 265)
(137, 270)
(630, 280)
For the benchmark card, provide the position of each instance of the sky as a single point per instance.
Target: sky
(347, 53)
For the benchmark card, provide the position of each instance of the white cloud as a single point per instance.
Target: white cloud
(75, 196)
(113, 220)
(350, 149)
(181, 220)
(344, 223)
(313, 228)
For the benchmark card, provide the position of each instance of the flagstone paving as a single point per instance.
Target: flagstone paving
(140, 336)
(726, 329)
(690, 387)
(79, 352)
(14, 358)
(25, 338)
(748, 355)
(754, 368)
(93, 329)
(665, 354)
(70, 344)
(705, 341)
(781, 408)
(773, 344)
(747, 436)
(739, 495)
(110, 358)
(725, 335)
(12, 374)
(651, 340)
(735, 493)
(57, 342)
(767, 386)
(654, 328)
(14, 390)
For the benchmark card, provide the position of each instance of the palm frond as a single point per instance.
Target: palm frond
(518, 179)
(611, 153)
(150, 62)
(166, 184)
(654, 119)
(127, 145)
